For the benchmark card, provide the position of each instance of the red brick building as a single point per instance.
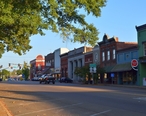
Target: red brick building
(88, 58)
(37, 66)
(108, 47)
(64, 64)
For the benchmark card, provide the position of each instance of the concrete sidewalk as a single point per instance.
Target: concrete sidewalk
(3, 109)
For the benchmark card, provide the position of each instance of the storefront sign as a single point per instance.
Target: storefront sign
(57, 70)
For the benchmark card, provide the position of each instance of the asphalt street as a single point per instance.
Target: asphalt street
(27, 98)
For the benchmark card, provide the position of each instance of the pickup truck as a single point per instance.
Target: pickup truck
(47, 79)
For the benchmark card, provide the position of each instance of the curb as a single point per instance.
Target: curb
(5, 109)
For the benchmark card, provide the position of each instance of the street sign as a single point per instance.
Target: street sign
(92, 68)
(134, 63)
(112, 75)
(92, 65)
(23, 76)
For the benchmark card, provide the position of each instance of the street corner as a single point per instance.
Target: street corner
(4, 110)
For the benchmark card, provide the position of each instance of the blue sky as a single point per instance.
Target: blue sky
(118, 18)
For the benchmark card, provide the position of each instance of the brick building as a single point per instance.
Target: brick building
(64, 64)
(108, 47)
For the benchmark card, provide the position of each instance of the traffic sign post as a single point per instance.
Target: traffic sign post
(93, 70)
(112, 76)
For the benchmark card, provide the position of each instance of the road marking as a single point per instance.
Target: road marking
(100, 113)
(38, 102)
(48, 109)
(5, 109)
(59, 111)
(141, 98)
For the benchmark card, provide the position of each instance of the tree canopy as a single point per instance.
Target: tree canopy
(25, 70)
(20, 19)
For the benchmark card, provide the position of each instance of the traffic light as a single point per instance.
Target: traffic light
(19, 66)
(9, 64)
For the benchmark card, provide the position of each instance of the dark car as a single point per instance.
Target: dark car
(0, 79)
(47, 79)
(66, 80)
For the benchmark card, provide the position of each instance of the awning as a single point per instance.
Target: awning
(108, 68)
(122, 67)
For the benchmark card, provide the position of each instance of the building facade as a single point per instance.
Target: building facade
(57, 63)
(122, 72)
(76, 59)
(64, 64)
(96, 55)
(108, 48)
(37, 66)
(141, 38)
(88, 56)
(49, 64)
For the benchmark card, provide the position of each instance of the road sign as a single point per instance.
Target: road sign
(23, 76)
(92, 65)
(92, 68)
(112, 75)
(134, 63)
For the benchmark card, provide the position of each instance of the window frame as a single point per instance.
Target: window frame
(108, 55)
(114, 54)
(103, 56)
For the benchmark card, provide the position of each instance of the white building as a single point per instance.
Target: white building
(57, 53)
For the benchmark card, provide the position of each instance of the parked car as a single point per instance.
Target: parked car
(66, 80)
(0, 79)
(47, 79)
(35, 79)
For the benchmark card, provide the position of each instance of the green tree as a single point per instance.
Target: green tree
(4, 73)
(99, 71)
(25, 70)
(19, 72)
(20, 19)
(83, 72)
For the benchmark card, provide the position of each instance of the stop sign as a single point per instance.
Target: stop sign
(134, 63)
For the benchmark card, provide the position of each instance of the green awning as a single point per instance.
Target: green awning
(108, 68)
(122, 67)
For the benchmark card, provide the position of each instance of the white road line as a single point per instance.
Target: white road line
(100, 113)
(39, 102)
(48, 109)
(59, 111)
(140, 98)
(5, 109)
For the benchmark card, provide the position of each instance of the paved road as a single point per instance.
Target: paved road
(34, 99)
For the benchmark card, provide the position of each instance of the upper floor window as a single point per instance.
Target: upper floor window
(103, 56)
(114, 53)
(108, 55)
(144, 45)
